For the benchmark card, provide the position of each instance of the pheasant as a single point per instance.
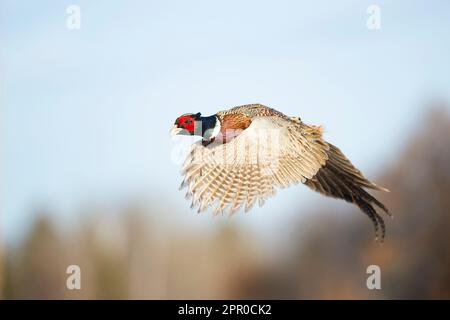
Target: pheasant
(249, 151)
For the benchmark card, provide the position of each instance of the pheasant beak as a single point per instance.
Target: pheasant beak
(175, 130)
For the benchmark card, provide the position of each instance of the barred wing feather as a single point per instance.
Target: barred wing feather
(271, 153)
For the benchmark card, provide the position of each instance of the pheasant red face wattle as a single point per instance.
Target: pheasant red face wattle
(185, 124)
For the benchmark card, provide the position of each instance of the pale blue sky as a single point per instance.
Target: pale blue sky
(86, 114)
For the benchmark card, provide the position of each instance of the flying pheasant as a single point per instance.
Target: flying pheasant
(249, 151)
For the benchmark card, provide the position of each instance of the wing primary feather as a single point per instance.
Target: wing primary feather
(340, 179)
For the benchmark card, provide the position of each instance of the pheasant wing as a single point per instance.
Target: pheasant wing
(272, 152)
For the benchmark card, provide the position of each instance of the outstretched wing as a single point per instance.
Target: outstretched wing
(272, 152)
(340, 179)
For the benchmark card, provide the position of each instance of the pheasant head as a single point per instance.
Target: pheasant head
(191, 124)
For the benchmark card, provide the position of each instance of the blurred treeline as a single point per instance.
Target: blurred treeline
(133, 255)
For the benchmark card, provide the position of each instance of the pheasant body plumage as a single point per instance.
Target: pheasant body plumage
(250, 151)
